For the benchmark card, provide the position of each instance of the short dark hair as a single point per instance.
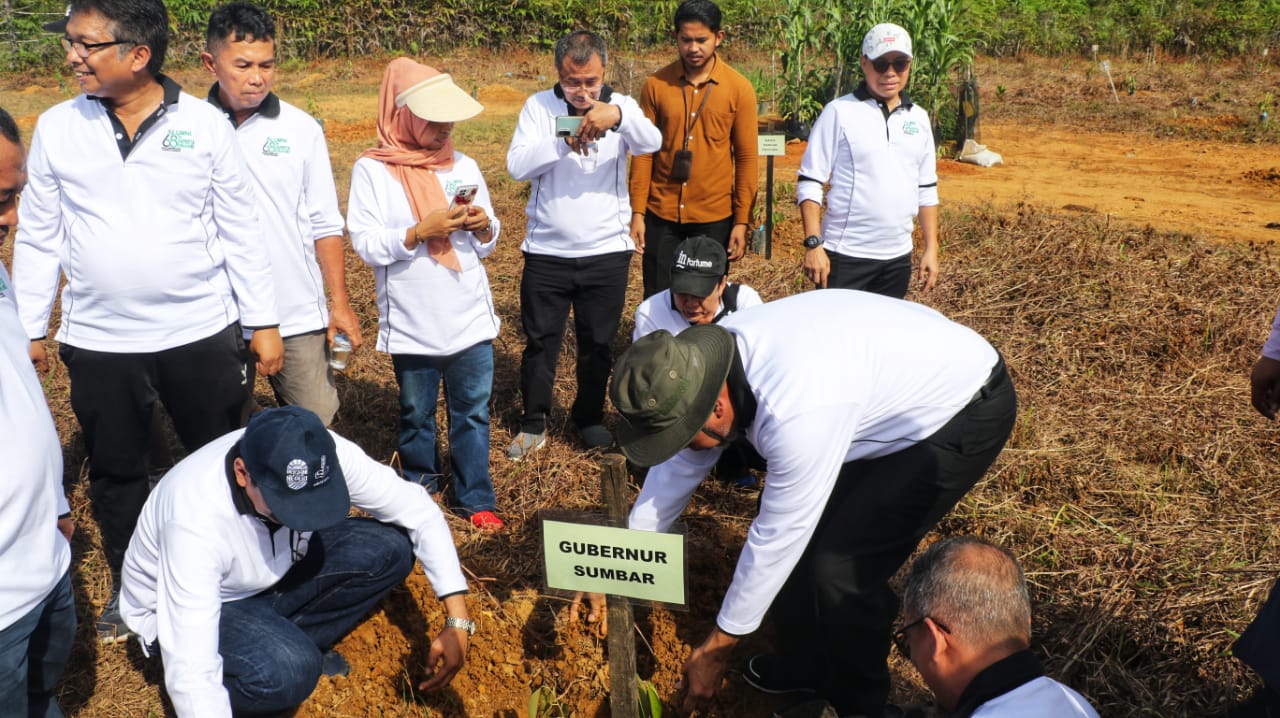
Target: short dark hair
(144, 22)
(703, 11)
(240, 20)
(9, 128)
(579, 46)
(973, 586)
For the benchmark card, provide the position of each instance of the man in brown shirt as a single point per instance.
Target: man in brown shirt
(703, 179)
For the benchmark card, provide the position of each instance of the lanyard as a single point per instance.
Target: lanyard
(688, 124)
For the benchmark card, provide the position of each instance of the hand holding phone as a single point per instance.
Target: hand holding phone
(464, 195)
(567, 125)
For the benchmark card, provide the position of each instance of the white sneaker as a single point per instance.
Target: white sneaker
(525, 444)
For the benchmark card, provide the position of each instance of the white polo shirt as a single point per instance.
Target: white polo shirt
(192, 551)
(1042, 697)
(574, 213)
(423, 306)
(838, 375)
(659, 311)
(288, 162)
(160, 249)
(34, 555)
(881, 168)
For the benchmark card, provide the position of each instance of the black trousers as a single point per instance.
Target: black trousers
(661, 237)
(834, 616)
(889, 277)
(595, 287)
(1258, 647)
(203, 388)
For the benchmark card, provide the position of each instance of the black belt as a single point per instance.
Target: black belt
(997, 375)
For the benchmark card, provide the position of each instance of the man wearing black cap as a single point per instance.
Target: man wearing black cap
(245, 568)
(700, 291)
(863, 461)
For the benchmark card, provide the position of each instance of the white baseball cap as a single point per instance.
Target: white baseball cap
(886, 37)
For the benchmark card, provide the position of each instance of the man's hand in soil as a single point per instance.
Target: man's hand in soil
(704, 671)
(1265, 383)
(449, 649)
(597, 611)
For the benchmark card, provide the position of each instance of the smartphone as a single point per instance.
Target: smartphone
(465, 195)
(567, 126)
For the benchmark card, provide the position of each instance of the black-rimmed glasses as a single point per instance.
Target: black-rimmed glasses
(899, 65)
(85, 49)
(900, 635)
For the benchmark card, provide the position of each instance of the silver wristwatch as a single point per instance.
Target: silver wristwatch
(465, 624)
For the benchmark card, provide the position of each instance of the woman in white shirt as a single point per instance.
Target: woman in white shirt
(419, 213)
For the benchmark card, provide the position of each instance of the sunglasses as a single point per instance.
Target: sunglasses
(900, 635)
(899, 65)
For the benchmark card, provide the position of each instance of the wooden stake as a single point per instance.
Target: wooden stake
(621, 625)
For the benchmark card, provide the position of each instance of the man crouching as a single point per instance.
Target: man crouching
(246, 569)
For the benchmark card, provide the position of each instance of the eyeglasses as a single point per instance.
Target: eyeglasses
(85, 49)
(900, 635)
(588, 85)
(899, 65)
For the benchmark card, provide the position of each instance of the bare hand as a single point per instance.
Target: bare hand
(704, 671)
(39, 356)
(445, 658)
(737, 242)
(598, 611)
(268, 351)
(598, 120)
(343, 319)
(438, 225)
(67, 527)
(817, 266)
(475, 219)
(928, 269)
(637, 231)
(1265, 385)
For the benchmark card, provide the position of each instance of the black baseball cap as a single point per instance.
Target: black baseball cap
(699, 265)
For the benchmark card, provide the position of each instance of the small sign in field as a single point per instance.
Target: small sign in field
(644, 565)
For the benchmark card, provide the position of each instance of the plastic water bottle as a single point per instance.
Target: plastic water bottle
(340, 352)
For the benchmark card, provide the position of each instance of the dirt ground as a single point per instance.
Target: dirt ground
(1159, 161)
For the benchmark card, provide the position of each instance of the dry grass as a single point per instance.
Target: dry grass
(1136, 488)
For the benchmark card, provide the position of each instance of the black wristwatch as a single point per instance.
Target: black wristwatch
(813, 241)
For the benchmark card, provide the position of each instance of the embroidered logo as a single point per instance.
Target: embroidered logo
(684, 261)
(178, 140)
(275, 146)
(295, 474)
(322, 473)
(910, 127)
(3, 287)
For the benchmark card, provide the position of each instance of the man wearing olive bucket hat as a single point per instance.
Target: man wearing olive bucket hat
(864, 460)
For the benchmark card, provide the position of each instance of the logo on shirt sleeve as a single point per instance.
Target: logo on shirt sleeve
(275, 146)
(178, 140)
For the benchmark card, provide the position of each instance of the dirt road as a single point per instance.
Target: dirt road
(1230, 192)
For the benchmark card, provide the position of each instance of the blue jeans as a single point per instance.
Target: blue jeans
(272, 643)
(468, 382)
(33, 653)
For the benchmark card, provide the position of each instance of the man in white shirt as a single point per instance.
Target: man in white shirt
(967, 629)
(37, 606)
(578, 246)
(875, 416)
(874, 147)
(246, 568)
(288, 162)
(700, 291)
(136, 193)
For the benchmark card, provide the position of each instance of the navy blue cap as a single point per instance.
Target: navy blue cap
(292, 459)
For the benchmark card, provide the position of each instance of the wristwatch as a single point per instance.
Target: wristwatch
(465, 624)
(813, 241)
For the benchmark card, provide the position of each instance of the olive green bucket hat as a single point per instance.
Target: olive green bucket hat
(665, 387)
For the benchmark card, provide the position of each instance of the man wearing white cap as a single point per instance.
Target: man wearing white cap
(245, 568)
(874, 147)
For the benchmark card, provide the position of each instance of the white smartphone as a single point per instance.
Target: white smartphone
(464, 195)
